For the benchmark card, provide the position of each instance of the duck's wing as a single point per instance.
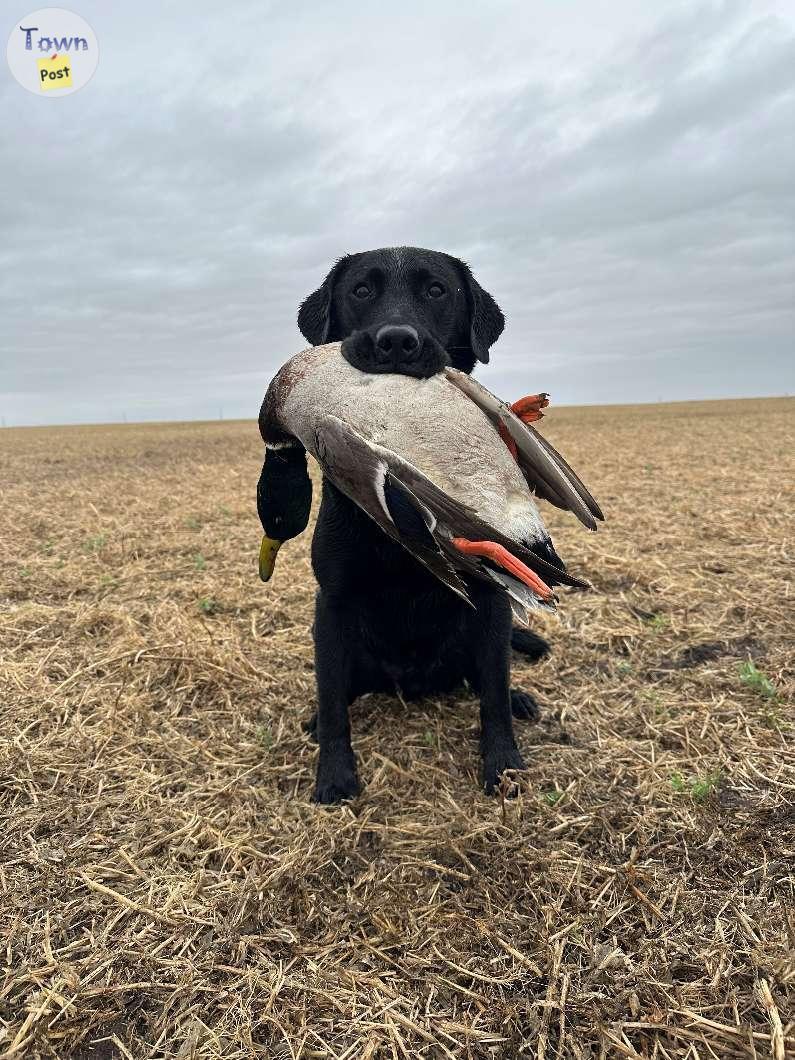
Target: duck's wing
(366, 473)
(547, 473)
(413, 510)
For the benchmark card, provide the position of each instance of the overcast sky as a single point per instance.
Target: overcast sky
(620, 175)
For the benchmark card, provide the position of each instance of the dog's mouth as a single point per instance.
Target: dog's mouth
(421, 356)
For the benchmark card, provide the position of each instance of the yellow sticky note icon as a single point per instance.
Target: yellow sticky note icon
(55, 72)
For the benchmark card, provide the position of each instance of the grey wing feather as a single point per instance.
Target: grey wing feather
(586, 495)
(359, 468)
(547, 473)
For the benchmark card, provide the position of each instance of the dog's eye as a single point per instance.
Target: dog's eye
(435, 290)
(361, 290)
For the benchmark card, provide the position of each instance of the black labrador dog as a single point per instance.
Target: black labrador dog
(382, 621)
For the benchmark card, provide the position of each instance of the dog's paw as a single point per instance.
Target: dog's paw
(310, 727)
(524, 706)
(529, 644)
(335, 789)
(495, 762)
(336, 780)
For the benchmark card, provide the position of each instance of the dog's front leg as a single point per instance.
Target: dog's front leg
(335, 643)
(492, 652)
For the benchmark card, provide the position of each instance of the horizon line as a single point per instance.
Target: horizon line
(253, 419)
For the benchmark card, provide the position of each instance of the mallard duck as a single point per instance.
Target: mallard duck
(440, 464)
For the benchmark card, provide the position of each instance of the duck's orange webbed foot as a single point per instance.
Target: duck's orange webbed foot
(528, 409)
(502, 557)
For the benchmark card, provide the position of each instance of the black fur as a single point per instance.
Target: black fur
(382, 621)
(529, 643)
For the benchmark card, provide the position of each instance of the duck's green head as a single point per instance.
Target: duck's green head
(284, 499)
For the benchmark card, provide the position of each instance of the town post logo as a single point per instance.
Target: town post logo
(54, 72)
(52, 51)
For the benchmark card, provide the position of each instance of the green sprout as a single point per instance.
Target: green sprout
(95, 544)
(265, 736)
(754, 679)
(699, 788)
(678, 782)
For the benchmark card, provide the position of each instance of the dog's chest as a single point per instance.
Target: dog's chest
(401, 604)
(409, 641)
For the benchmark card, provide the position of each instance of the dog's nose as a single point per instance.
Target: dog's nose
(398, 343)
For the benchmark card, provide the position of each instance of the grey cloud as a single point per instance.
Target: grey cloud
(621, 181)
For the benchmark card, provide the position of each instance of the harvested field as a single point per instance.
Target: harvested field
(168, 888)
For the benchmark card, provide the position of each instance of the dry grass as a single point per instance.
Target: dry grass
(168, 889)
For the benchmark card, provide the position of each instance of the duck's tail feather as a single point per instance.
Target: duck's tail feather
(523, 600)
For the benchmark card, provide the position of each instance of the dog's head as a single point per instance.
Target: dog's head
(403, 309)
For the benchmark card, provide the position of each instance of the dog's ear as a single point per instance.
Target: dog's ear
(314, 313)
(485, 316)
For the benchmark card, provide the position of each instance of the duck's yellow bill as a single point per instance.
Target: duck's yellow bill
(267, 557)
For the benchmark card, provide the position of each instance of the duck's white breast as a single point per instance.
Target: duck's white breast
(428, 422)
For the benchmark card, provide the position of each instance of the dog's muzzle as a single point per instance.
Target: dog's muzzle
(395, 348)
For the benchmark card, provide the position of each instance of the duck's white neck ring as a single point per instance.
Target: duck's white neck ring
(283, 445)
